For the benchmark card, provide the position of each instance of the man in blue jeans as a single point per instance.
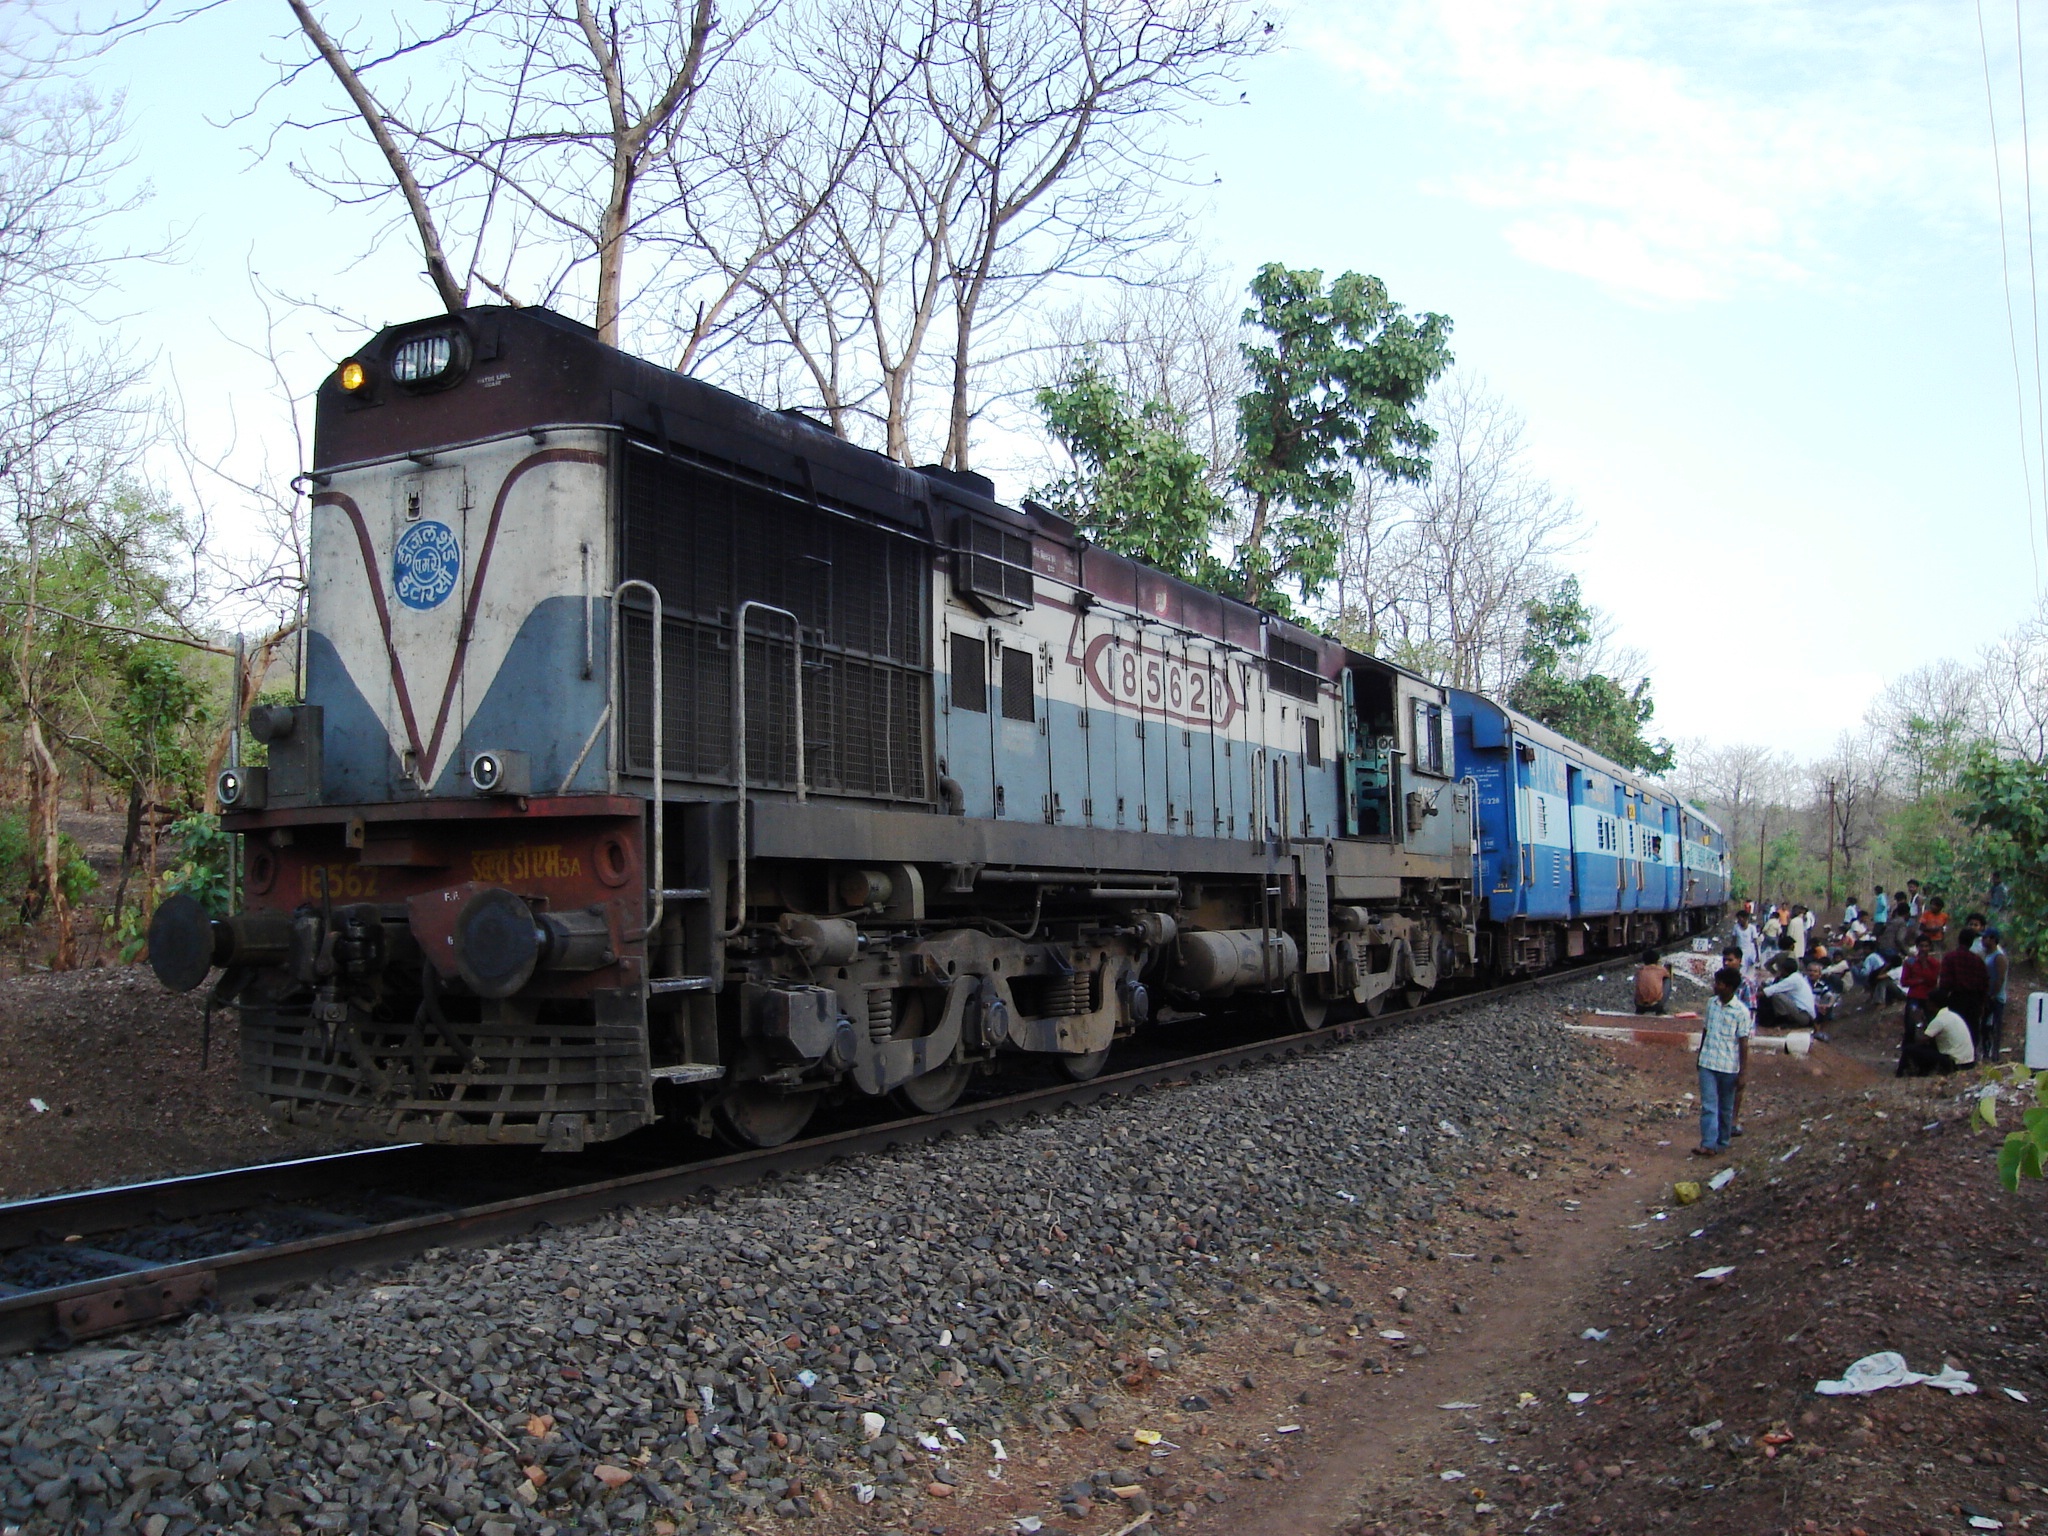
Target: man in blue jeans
(1724, 1055)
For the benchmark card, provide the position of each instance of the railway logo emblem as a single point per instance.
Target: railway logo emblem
(425, 564)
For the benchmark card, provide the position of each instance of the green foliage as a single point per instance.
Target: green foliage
(203, 870)
(1141, 489)
(1587, 706)
(158, 703)
(22, 892)
(2002, 802)
(1334, 389)
(2020, 1157)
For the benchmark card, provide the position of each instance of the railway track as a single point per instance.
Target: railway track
(81, 1266)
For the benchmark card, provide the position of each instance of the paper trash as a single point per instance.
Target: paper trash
(1873, 1373)
(1716, 1272)
(1722, 1179)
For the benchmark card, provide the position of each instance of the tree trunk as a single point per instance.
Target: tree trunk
(44, 827)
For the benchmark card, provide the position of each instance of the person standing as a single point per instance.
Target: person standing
(1934, 922)
(1881, 910)
(1914, 904)
(1800, 928)
(1748, 942)
(1962, 988)
(1723, 1059)
(1998, 973)
(1850, 911)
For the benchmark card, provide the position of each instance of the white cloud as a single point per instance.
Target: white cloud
(1685, 154)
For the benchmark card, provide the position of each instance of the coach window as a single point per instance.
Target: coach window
(970, 674)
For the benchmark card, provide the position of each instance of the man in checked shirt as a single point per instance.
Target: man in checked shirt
(1724, 1056)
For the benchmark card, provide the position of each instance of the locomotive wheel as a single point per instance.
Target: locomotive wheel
(1414, 997)
(1083, 1069)
(756, 1117)
(1305, 1010)
(937, 1090)
(1375, 1005)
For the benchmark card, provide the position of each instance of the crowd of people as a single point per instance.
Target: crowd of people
(1793, 970)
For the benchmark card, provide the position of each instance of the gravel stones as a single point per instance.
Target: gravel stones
(773, 1348)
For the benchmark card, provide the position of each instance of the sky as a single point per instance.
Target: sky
(1738, 262)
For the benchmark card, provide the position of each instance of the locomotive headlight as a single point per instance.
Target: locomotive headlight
(495, 772)
(430, 360)
(353, 376)
(242, 789)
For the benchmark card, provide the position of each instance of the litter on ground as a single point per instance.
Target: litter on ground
(1873, 1373)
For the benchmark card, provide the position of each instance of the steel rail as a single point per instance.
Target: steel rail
(61, 1315)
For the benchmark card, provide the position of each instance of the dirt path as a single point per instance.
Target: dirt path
(1389, 1424)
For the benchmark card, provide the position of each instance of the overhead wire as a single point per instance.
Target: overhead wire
(2033, 267)
(2011, 325)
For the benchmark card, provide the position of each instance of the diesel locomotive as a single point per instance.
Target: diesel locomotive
(659, 754)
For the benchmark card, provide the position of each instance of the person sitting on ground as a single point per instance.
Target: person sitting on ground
(1653, 984)
(1850, 911)
(1998, 968)
(1825, 997)
(1942, 1046)
(1788, 1000)
(1964, 983)
(1877, 975)
(1723, 1061)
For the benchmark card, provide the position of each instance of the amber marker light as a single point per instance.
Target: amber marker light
(352, 376)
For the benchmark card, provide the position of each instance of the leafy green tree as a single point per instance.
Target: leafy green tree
(1139, 488)
(2003, 802)
(1335, 387)
(1558, 687)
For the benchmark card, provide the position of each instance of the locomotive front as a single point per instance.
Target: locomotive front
(445, 910)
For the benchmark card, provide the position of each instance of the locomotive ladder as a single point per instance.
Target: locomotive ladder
(691, 902)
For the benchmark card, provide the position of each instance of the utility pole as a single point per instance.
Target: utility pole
(1831, 846)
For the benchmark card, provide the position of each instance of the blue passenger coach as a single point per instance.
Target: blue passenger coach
(1575, 852)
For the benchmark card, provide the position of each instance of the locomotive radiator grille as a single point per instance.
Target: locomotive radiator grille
(862, 594)
(537, 1081)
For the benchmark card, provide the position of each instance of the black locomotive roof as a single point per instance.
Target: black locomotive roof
(530, 367)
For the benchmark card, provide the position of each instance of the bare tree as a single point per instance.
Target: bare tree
(1477, 543)
(1926, 718)
(70, 410)
(1743, 786)
(1848, 787)
(518, 135)
(1015, 146)
(2012, 700)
